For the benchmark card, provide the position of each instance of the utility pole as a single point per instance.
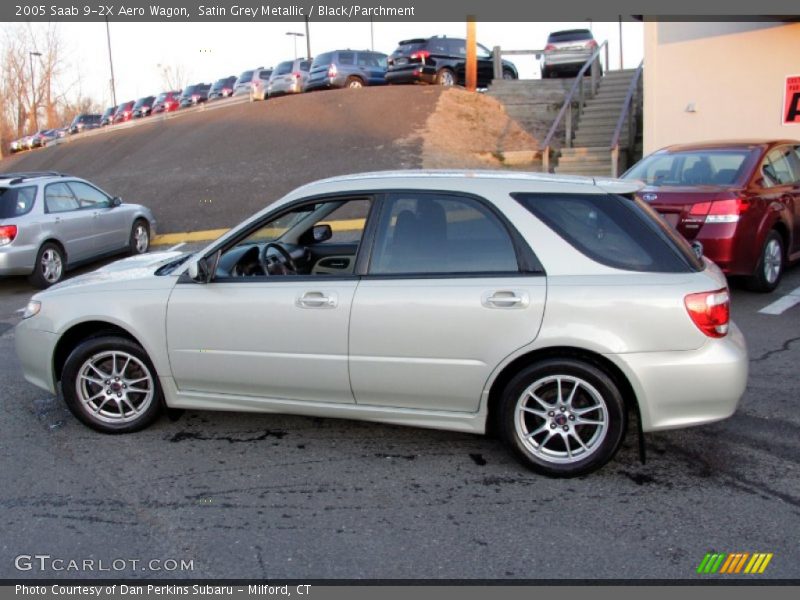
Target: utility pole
(472, 55)
(308, 41)
(371, 34)
(620, 43)
(111, 64)
(294, 35)
(34, 107)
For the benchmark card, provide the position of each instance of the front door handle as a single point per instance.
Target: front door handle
(317, 300)
(505, 299)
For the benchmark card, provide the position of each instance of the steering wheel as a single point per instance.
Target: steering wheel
(285, 261)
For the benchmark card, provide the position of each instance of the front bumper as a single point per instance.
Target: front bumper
(35, 350)
(680, 389)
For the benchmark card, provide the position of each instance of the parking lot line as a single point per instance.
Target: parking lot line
(782, 304)
(176, 247)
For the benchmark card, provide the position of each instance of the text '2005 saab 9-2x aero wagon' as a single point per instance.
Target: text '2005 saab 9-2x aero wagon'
(550, 309)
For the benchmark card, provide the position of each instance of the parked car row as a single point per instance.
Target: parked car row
(434, 60)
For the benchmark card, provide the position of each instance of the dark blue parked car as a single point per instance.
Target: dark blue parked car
(347, 68)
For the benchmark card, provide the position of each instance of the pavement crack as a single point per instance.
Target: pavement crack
(783, 348)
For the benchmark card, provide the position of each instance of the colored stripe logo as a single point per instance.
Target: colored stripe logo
(734, 563)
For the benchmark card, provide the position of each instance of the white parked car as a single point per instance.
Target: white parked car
(548, 307)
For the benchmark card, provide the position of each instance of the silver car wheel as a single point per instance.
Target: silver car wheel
(446, 78)
(355, 83)
(114, 387)
(773, 261)
(141, 238)
(561, 419)
(52, 265)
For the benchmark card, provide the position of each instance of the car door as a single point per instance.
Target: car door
(794, 163)
(451, 291)
(781, 186)
(485, 66)
(73, 227)
(111, 226)
(267, 337)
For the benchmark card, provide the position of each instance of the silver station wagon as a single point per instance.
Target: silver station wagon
(50, 223)
(552, 310)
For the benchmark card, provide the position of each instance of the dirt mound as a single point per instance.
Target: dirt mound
(210, 169)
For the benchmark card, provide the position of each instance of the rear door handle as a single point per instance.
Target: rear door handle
(505, 299)
(317, 300)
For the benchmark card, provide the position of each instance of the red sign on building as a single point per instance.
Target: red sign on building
(791, 100)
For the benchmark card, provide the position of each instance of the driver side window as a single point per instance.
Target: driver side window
(319, 238)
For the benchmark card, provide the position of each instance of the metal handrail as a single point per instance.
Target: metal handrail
(625, 113)
(567, 106)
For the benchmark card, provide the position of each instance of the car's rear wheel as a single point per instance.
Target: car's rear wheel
(110, 385)
(50, 266)
(446, 78)
(769, 269)
(509, 74)
(354, 82)
(562, 417)
(140, 237)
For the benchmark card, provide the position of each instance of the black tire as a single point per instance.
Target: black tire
(556, 432)
(43, 276)
(445, 77)
(508, 74)
(354, 82)
(139, 228)
(764, 278)
(109, 417)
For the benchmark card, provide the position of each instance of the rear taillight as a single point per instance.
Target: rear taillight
(420, 55)
(332, 71)
(7, 234)
(549, 47)
(591, 45)
(710, 311)
(296, 76)
(195, 96)
(719, 211)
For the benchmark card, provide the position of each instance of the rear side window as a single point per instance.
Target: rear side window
(614, 231)
(778, 168)
(59, 198)
(323, 60)
(427, 233)
(346, 58)
(371, 59)
(266, 74)
(15, 202)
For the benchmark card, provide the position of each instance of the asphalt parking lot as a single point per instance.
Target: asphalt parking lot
(260, 496)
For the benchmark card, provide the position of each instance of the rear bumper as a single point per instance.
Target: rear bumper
(680, 389)
(565, 60)
(415, 74)
(17, 260)
(735, 252)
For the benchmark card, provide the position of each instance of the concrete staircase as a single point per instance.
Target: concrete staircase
(590, 153)
(533, 103)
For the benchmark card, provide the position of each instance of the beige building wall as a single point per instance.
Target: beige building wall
(732, 73)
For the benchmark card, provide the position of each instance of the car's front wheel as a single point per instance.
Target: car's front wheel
(50, 266)
(562, 417)
(140, 237)
(110, 385)
(769, 269)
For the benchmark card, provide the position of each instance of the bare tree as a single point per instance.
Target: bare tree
(173, 77)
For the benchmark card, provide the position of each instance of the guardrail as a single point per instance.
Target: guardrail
(567, 112)
(628, 112)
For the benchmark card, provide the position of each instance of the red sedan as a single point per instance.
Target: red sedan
(738, 202)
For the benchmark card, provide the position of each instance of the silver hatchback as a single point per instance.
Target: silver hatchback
(551, 309)
(51, 222)
(289, 77)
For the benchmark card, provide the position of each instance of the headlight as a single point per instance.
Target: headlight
(33, 308)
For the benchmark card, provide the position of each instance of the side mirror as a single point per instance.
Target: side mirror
(116, 201)
(322, 233)
(203, 269)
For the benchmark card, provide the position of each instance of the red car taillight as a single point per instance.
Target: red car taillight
(420, 55)
(590, 45)
(549, 47)
(7, 234)
(332, 71)
(710, 311)
(720, 211)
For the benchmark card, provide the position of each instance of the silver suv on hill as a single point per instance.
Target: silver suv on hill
(50, 223)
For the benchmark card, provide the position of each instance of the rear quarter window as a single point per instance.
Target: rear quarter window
(15, 202)
(346, 58)
(615, 231)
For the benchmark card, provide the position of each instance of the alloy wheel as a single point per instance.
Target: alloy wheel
(773, 261)
(52, 265)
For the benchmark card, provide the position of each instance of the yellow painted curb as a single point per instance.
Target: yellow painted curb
(209, 235)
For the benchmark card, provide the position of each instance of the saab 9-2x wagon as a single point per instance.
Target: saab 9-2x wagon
(552, 309)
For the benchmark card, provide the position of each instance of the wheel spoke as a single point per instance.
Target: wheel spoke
(572, 394)
(537, 431)
(93, 380)
(540, 401)
(538, 413)
(126, 401)
(588, 409)
(580, 421)
(549, 436)
(98, 371)
(124, 367)
(580, 441)
(560, 396)
(565, 437)
(137, 390)
(101, 405)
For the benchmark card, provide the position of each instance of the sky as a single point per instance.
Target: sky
(209, 51)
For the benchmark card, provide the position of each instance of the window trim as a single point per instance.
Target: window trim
(527, 263)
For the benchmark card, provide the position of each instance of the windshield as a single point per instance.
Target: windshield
(718, 167)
